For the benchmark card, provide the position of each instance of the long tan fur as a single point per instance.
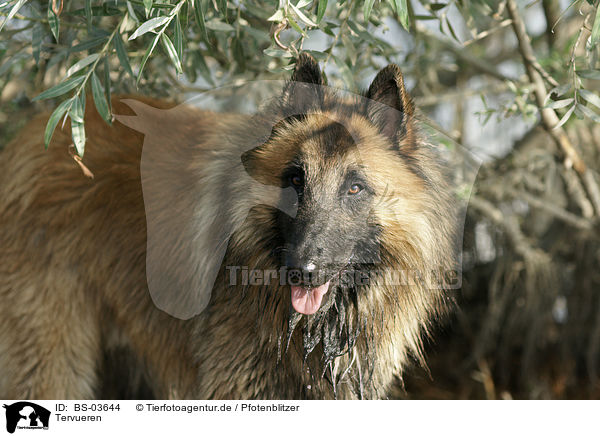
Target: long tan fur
(73, 280)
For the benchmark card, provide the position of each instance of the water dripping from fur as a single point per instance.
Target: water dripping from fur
(337, 329)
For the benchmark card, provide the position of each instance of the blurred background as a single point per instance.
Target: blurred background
(512, 85)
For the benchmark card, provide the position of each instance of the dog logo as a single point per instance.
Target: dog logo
(26, 415)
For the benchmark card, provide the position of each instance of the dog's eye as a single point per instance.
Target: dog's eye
(355, 189)
(296, 180)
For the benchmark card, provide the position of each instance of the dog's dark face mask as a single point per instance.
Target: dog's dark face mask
(331, 231)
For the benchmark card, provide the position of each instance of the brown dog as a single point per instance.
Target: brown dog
(325, 186)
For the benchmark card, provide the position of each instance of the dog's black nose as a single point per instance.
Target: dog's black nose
(306, 268)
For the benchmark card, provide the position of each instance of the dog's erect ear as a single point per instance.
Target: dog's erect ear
(304, 91)
(307, 70)
(390, 107)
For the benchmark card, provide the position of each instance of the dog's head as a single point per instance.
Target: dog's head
(349, 161)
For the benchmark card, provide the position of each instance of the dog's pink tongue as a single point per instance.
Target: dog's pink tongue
(308, 300)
